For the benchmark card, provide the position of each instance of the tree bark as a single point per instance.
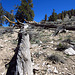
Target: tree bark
(24, 64)
(67, 27)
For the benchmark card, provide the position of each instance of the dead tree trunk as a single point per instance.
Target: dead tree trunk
(24, 65)
(59, 29)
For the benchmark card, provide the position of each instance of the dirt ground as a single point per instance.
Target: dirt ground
(43, 45)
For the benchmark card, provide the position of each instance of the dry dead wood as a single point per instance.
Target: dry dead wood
(9, 20)
(67, 27)
(24, 64)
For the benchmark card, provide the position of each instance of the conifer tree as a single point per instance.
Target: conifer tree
(53, 17)
(69, 13)
(72, 12)
(62, 15)
(65, 13)
(1, 15)
(59, 16)
(25, 11)
(45, 17)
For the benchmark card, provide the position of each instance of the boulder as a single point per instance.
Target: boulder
(70, 51)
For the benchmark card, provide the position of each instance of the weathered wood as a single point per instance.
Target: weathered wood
(9, 20)
(44, 25)
(59, 29)
(24, 64)
(67, 27)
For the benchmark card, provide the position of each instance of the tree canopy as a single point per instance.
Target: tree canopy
(25, 11)
(7, 14)
(1, 15)
(53, 17)
(56, 16)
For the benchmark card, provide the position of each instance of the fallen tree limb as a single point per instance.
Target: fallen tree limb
(67, 27)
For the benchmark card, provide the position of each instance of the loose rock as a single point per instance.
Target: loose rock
(70, 51)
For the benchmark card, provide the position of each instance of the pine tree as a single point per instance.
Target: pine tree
(1, 15)
(59, 16)
(50, 18)
(45, 17)
(25, 11)
(53, 17)
(62, 15)
(69, 13)
(72, 12)
(65, 13)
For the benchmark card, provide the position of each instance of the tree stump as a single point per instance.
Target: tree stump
(24, 64)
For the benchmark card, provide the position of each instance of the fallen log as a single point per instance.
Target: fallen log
(44, 25)
(20, 24)
(67, 27)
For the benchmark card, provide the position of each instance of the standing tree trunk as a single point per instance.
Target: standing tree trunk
(24, 64)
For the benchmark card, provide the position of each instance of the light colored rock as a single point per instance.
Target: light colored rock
(47, 46)
(1, 46)
(66, 17)
(70, 51)
(43, 63)
(36, 74)
(48, 66)
(36, 67)
(41, 42)
(25, 26)
(51, 42)
(49, 70)
(34, 45)
(63, 73)
(32, 63)
(55, 48)
(5, 40)
(40, 52)
(55, 70)
(59, 20)
(65, 68)
(40, 46)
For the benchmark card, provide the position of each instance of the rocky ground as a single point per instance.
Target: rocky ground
(47, 51)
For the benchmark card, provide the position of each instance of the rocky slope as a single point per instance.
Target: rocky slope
(47, 51)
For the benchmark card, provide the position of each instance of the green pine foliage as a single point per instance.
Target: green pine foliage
(56, 16)
(62, 15)
(45, 17)
(25, 11)
(1, 15)
(53, 17)
(9, 15)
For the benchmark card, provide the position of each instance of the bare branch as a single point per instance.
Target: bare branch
(18, 21)
(26, 21)
(9, 20)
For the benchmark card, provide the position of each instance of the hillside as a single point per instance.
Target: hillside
(47, 51)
